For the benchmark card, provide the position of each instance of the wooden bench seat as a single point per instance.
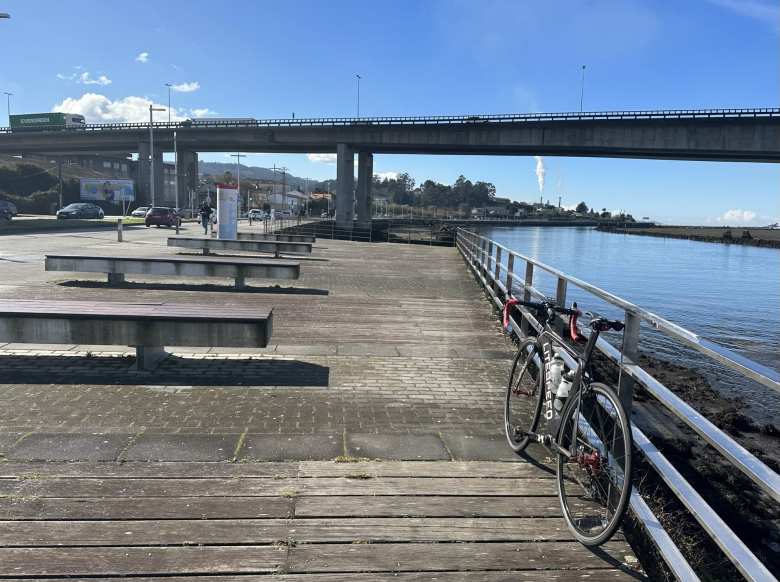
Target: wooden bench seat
(146, 326)
(237, 268)
(308, 238)
(207, 245)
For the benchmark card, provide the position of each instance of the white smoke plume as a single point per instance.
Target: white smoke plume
(540, 172)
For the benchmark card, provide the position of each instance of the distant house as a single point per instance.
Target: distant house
(291, 200)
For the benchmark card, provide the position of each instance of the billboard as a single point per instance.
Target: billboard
(112, 191)
(227, 212)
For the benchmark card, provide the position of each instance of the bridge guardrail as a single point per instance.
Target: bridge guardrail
(204, 123)
(485, 257)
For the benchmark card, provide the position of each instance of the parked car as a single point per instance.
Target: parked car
(324, 215)
(8, 207)
(81, 210)
(162, 216)
(140, 212)
(257, 214)
(5, 215)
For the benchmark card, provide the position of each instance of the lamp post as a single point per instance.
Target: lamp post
(238, 157)
(169, 85)
(8, 104)
(4, 15)
(582, 87)
(358, 94)
(152, 109)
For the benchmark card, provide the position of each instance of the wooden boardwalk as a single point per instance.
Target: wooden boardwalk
(307, 521)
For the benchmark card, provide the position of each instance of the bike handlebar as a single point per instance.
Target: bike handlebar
(545, 305)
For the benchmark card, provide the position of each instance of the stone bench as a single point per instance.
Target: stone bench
(307, 238)
(207, 245)
(146, 326)
(239, 269)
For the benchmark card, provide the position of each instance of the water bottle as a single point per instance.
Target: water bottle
(563, 392)
(556, 372)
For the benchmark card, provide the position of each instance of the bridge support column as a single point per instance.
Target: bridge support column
(345, 186)
(187, 178)
(143, 195)
(363, 193)
(159, 179)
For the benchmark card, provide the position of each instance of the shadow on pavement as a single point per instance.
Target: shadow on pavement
(87, 284)
(173, 371)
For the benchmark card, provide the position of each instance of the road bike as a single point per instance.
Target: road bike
(583, 422)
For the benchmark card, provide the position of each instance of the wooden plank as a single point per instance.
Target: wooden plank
(431, 506)
(53, 508)
(140, 561)
(267, 531)
(461, 469)
(328, 486)
(460, 557)
(149, 470)
(607, 575)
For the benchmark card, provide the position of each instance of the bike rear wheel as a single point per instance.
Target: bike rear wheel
(594, 481)
(524, 393)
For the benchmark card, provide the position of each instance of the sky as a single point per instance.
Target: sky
(260, 59)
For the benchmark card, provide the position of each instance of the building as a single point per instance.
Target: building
(292, 200)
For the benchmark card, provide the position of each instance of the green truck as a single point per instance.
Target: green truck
(46, 121)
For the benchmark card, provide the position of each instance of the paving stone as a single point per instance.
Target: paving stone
(39, 347)
(465, 447)
(7, 440)
(363, 349)
(307, 350)
(69, 447)
(182, 447)
(301, 447)
(401, 447)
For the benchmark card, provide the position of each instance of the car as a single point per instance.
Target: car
(81, 210)
(8, 207)
(140, 212)
(5, 215)
(257, 214)
(162, 216)
(324, 215)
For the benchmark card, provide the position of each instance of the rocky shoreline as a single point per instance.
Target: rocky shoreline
(757, 237)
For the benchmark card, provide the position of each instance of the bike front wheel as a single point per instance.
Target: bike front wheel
(524, 392)
(594, 479)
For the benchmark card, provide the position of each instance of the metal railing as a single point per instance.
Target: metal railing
(503, 271)
(204, 123)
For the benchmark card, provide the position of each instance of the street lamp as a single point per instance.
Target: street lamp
(582, 87)
(152, 109)
(169, 101)
(358, 94)
(5, 15)
(8, 104)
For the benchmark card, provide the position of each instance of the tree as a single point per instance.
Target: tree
(582, 208)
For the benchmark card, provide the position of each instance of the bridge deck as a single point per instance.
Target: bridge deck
(380, 351)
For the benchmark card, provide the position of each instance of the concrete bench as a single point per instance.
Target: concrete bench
(207, 245)
(239, 269)
(307, 238)
(146, 326)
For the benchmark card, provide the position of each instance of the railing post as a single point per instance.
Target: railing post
(119, 230)
(510, 267)
(560, 292)
(488, 256)
(529, 280)
(497, 271)
(629, 355)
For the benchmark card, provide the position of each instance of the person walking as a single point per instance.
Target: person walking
(205, 212)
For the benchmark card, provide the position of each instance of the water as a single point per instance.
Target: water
(729, 294)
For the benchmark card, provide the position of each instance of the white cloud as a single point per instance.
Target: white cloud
(737, 216)
(186, 87)
(386, 175)
(84, 78)
(766, 12)
(142, 57)
(202, 112)
(322, 158)
(98, 108)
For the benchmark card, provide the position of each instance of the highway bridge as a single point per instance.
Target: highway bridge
(749, 135)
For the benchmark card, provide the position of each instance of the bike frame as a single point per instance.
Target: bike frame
(547, 341)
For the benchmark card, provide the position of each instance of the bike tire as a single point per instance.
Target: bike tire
(526, 351)
(609, 431)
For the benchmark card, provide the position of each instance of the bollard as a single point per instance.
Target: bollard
(178, 224)
(119, 230)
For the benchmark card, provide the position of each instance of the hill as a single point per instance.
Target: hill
(250, 172)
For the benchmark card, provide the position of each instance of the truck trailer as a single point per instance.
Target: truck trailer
(46, 121)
